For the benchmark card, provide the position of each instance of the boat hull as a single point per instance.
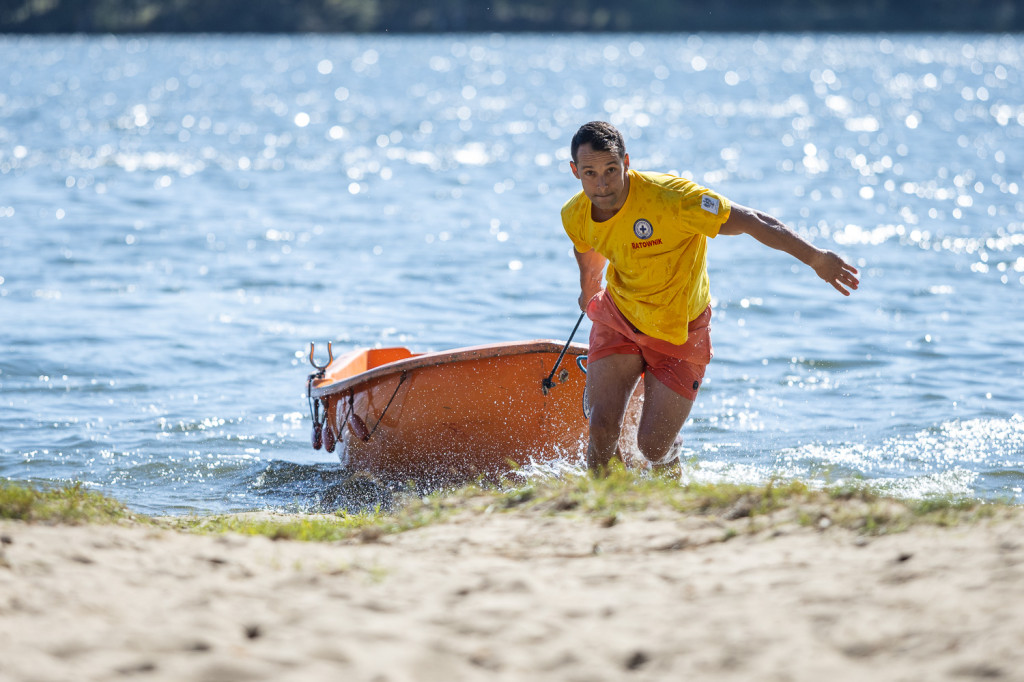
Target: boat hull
(455, 414)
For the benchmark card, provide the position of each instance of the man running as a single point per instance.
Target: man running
(653, 317)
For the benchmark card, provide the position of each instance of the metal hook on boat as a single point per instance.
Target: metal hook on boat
(330, 358)
(314, 405)
(580, 359)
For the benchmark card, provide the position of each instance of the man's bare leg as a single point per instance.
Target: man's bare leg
(610, 383)
(627, 449)
(664, 414)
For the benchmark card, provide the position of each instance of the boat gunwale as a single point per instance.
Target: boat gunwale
(324, 387)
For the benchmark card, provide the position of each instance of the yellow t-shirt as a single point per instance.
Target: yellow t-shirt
(656, 246)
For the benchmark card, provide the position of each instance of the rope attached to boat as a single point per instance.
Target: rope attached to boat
(401, 381)
(547, 383)
(356, 423)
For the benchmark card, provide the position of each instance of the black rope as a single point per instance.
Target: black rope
(548, 383)
(400, 382)
(348, 411)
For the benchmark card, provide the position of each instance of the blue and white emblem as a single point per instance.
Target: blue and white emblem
(643, 229)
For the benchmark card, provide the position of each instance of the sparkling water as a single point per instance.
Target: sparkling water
(181, 216)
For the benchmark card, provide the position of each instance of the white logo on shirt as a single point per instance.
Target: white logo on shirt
(709, 204)
(643, 229)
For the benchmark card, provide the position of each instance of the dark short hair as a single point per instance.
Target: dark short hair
(601, 136)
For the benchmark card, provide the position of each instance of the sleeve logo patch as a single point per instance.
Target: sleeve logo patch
(709, 204)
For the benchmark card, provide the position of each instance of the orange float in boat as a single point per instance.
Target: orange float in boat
(453, 414)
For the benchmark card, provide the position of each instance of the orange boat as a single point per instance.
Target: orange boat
(455, 414)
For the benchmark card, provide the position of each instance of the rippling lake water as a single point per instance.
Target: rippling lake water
(181, 216)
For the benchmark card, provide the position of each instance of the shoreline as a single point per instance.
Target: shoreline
(553, 592)
(403, 17)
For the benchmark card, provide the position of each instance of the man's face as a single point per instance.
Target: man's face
(604, 178)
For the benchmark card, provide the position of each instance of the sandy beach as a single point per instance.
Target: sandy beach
(651, 595)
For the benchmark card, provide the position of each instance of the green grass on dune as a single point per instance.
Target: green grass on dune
(858, 506)
(340, 525)
(739, 509)
(71, 504)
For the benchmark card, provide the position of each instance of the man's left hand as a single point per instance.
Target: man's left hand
(837, 272)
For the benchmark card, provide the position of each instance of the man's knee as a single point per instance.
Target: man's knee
(657, 456)
(657, 451)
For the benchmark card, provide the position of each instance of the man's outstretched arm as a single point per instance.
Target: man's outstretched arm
(773, 232)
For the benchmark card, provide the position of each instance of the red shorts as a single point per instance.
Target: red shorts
(680, 367)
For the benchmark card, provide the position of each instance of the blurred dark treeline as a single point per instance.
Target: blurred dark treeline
(431, 16)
